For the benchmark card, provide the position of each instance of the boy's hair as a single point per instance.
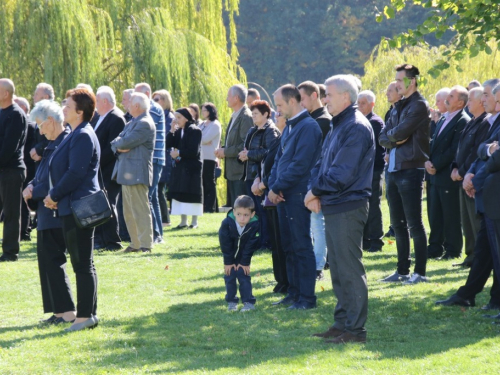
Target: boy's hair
(244, 201)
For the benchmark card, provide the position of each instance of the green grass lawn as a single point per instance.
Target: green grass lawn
(158, 320)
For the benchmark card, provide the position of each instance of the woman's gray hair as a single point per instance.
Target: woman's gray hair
(45, 109)
(344, 83)
(141, 99)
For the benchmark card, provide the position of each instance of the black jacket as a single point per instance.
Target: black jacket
(28, 161)
(185, 179)
(377, 125)
(40, 142)
(323, 118)
(473, 134)
(444, 148)
(13, 129)
(257, 143)
(409, 121)
(342, 177)
(235, 248)
(267, 163)
(108, 130)
(491, 190)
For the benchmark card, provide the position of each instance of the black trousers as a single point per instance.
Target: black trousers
(80, 247)
(209, 190)
(471, 223)
(108, 233)
(443, 209)
(374, 228)
(481, 268)
(56, 289)
(236, 188)
(278, 254)
(11, 186)
(162, 200)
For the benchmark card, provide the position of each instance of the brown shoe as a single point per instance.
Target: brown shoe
(332, 332)
(145, 250)
(346, 338)
(130, 249)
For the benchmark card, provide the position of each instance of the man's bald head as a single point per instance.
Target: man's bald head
(8, 86)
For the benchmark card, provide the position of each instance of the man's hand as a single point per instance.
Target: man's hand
(455, 176)
(255, 187)
(401, 142)
(471, 193)
(493, 147)
(246, 269)
(227, 269)
(28, 192)
(275, 198)
(243, 155)
(219, 153)
(386, 158)
(34, 155)
(467, 184)
(123, 151)
(429, 167)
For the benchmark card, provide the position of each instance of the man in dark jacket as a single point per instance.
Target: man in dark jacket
(310, 100)
(374, 229)
(407, 137)
(13, 128)
(107, 128)
(472, 136)
(340, 186)
(299, 150)
(443, 202)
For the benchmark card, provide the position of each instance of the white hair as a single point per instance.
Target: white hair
(141, 99)
(47, 90)
(476, 92)
(240, 91)
(495, 89)
(344, 83)
(85, 86)
(358, 81)
(23, 102)
(45, 109)
(128, 91)
(493, 83)
(107, 93)
(368, 95)
(444, 92)
(144, 88)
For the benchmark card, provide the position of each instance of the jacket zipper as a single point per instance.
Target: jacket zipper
(239, 239)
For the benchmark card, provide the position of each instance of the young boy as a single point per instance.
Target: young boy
(239, 238)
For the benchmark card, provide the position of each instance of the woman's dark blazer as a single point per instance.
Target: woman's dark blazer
(74, 166)
(185, 179)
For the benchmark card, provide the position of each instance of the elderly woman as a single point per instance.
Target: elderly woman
(73, 170)
(260, 188)
(50, 245)
(210, 139)
(185, 183)
(257, 143)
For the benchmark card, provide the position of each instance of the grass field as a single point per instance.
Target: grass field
(165, 313)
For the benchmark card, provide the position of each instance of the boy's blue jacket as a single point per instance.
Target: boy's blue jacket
(236, 249)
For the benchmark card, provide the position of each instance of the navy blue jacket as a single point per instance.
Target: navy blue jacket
(158, 116)
(45, 216)
(342, 177)
(74, 166)
(377, 125)
(235, 248)
(299, 150)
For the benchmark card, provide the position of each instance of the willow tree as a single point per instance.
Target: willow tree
(180, 45)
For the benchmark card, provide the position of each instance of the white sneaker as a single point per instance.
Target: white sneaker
(247, 306)
(232, 306)
(415, 279)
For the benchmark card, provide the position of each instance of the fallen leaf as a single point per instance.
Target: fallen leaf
(166, 267)
(258, 274)
(390, 242)
(322, 288)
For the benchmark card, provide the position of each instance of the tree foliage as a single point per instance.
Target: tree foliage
(473, 22)
(180, 45)
(379, 70)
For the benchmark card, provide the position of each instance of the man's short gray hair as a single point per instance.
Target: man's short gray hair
(358, 82)
(23, 102)
(144, 88)
(47, 90)
(344, 83)
(463, 94)
(240, 91)
(85, 86)
(476, 92)
(368, 94)
(45, 109)
(491, 82)
(444, 92)
(141, 99)
(495, 89)
(128, 91)
(107, 93)
(8, 85)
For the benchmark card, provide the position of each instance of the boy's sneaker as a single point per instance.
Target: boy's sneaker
(232, 306)
(415, 279)
(247, 306)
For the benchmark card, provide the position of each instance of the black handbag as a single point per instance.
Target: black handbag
(92, 210)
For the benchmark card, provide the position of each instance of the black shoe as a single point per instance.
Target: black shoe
(302, 306)
(327, 266)
(366, 244)
(490, 306)
(456, 300)
(99, 246)
(180, 227)
(319, 275)
(390, 233)
(62, 321)
(113, 247)
(448, 256)
(8, 258)
(49, 320)
(158, 239)
(374, 249)
(285, 301)
(280, 288)
(26, 238)
(193, 226)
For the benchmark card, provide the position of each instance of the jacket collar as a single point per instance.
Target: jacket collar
(346, 112)
(297, 119)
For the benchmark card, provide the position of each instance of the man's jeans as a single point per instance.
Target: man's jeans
(404, 190)
(154, 204)
(318, 235)
(295, 225)
(245, 282)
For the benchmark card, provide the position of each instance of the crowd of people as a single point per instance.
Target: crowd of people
(305, 180)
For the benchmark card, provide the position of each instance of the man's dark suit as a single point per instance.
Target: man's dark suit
(112, 125)
(30, 174)
(443, 201)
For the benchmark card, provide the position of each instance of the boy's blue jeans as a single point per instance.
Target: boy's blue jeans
(245, 287)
